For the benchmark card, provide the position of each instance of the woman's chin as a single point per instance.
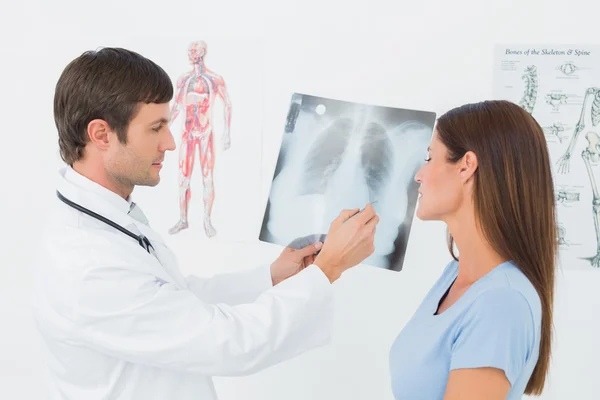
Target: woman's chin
(421, 214)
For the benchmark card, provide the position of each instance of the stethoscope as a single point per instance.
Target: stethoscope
(141, 239)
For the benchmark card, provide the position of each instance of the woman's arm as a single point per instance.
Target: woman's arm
(476, 384)
(492, 345)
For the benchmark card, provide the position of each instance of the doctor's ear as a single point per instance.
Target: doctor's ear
(467, 166)
(99, 133)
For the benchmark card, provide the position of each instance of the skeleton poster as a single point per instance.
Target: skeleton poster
(338, 155)
(560, 86)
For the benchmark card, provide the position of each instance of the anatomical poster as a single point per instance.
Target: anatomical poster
(559, 85)
(210, 184)
(338, 155)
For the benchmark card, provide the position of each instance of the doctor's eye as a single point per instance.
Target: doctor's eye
(428, 159)
(157, 128)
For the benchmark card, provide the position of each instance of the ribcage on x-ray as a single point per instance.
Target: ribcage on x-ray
(325, 156)
(376, 158)
(329, 150)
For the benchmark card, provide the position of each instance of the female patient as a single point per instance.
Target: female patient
(484, 329)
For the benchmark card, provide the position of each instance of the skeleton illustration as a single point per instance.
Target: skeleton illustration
(555, 130)
(197, 91)
(531, 87)
(561, 236)
(566, 197)
(555, 100)
(590, 154)
(567, 68)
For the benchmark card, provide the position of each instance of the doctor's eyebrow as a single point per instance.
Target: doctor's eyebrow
(163, 120)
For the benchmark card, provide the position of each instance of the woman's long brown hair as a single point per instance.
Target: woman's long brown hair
(513, 197)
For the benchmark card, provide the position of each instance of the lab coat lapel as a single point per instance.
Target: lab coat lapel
(168, 260)
(166, 257)
(163, 262)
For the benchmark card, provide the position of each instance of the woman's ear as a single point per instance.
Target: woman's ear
(467, 166)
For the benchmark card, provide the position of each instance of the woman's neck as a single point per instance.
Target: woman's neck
(476, 255)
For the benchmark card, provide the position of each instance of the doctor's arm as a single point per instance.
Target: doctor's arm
(231, 288)
(492, 347)
(129, 315)
(245, 286)
(345, 236)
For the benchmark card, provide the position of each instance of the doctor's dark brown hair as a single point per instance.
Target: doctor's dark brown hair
(513, 196)
(107, 84)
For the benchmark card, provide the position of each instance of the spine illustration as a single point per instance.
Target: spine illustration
(566, 197)
(531, 88)
(555, 100)
(555, 130)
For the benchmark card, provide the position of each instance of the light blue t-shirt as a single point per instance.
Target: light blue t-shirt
(495, 323)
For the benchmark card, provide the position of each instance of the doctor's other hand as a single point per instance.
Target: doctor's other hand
(349, 241)
(292, 261)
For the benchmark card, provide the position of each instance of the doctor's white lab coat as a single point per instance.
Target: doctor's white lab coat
(120, 323)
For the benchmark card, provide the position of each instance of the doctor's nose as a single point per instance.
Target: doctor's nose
(169, 142)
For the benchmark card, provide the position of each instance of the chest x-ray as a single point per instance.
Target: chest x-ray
(337, 155)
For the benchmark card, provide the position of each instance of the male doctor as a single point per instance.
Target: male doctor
(118, 319)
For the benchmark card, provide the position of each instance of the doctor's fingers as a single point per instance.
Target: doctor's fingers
(308, 260)
(366, 215)
(343, 217)
(310, 249)
(367, 232)
(371, 226)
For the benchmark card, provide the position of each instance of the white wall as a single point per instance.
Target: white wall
(427, 55)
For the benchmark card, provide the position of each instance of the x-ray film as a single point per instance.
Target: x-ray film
(339, 155)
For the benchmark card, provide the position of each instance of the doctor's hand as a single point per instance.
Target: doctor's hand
(292, 261)
(349, 241)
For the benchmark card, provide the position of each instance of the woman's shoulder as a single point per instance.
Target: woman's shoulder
(499, 324)
(450, 271)
(510, 277)
(507, 289)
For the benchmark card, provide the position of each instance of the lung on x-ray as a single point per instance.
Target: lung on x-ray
(337, 155)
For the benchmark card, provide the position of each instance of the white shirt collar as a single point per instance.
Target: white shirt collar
(88, 194)
(107, 195)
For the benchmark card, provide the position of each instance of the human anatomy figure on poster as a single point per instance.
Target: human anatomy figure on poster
(196, 93)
